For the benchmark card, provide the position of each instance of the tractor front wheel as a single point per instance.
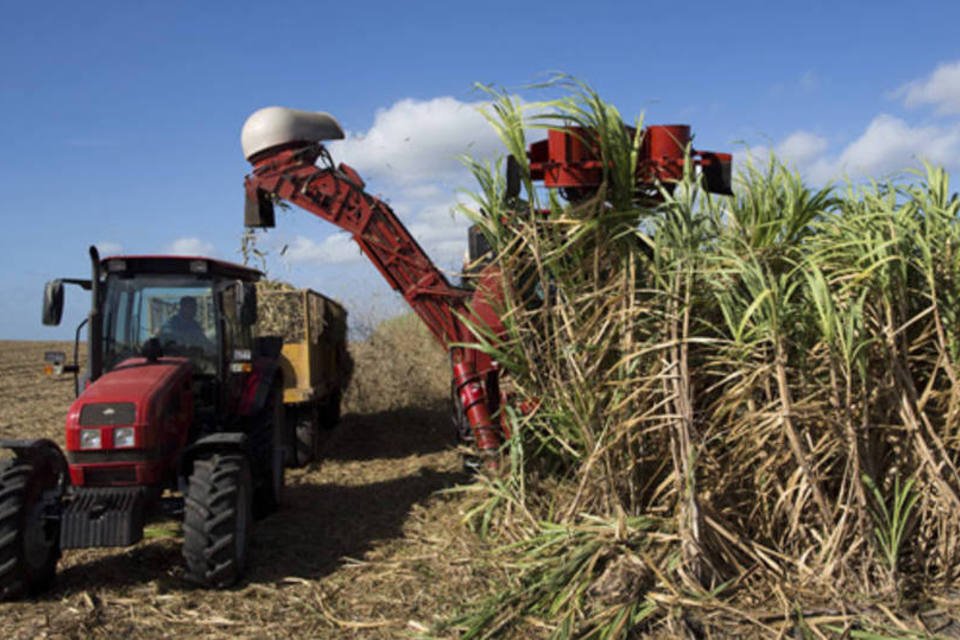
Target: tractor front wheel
(29, 539)
(218, 516)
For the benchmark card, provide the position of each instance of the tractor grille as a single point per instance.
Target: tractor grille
(107, 413)
(110, 476)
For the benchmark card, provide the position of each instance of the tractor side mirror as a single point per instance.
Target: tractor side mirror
(53, 303)
(247, 303)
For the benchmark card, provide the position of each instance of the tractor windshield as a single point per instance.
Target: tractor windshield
(178, 310)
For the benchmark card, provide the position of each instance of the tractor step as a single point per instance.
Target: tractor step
(103, 517)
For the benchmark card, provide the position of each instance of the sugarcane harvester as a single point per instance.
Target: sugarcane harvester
(291, 163)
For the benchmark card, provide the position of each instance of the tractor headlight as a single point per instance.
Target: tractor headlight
(90, 439)
(123, 437)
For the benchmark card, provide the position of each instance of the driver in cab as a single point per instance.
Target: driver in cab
(183, 329)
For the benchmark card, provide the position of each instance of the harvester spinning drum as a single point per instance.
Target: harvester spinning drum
(284, 147)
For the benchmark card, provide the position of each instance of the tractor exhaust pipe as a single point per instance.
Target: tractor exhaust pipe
(95, 322)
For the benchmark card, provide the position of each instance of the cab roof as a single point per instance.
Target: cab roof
(179, 264)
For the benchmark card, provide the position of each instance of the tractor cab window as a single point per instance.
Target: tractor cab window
(179, 311)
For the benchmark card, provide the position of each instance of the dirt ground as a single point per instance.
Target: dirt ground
(364, 546)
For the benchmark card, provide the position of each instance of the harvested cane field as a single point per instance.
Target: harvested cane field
(362, 548)
(740, 418)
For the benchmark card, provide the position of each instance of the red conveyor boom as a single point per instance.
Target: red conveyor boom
(336, 194)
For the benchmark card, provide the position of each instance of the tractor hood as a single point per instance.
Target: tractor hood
(136, 393)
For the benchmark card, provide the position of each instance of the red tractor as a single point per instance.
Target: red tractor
(285, 146)
(179, 413)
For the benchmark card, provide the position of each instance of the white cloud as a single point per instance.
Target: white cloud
(750, 154)
(940, 89)
(801, 147)
(411, 157)
(338, 248)
(887, 145)
(418, 141)
(107, 248)
(890, 144)
(190, 246)
(441, 234)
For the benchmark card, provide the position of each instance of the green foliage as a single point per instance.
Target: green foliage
(724, 382)
(892, 521)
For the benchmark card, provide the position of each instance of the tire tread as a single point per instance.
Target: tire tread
(15, 576)
(209, 525)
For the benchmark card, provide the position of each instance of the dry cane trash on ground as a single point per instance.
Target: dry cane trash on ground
(364, 547)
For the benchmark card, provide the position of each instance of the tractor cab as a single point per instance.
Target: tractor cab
(181, 307)
(162, 307)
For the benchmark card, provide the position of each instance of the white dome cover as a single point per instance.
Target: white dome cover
(273, 126)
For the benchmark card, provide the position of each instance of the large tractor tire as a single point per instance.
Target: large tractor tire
(217, 521)
(29, 542)
(267, 445)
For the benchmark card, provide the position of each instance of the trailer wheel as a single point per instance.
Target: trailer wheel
(330, 410)
(29, 542)
(307, 435)
(217, 520)
(268, 447)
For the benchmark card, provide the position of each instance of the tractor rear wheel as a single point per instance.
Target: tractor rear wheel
(217, 521)
(29, 541)
(268, 447)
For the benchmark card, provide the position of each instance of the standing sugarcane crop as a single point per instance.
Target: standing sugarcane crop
(757, 414)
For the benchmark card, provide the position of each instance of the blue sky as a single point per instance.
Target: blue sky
(120, 121)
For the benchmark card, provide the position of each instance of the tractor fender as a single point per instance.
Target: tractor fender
(41, 452)
(266, 373)
(227, 441)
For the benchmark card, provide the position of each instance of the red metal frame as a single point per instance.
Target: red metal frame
(336, 194)
(567, 158)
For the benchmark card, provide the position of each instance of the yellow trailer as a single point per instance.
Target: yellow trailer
(315, 362)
